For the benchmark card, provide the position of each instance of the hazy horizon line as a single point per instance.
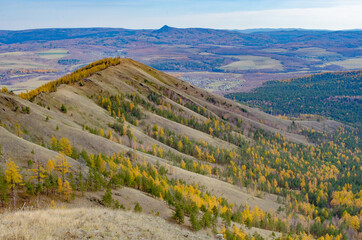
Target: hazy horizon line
(226, 29)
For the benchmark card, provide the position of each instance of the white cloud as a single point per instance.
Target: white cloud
(335, 18)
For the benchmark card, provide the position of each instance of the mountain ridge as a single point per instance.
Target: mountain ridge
(135, 137)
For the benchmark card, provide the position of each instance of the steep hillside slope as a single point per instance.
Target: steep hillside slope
(133, 135)
(90, 224)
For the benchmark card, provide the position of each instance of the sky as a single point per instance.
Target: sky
(153, 14)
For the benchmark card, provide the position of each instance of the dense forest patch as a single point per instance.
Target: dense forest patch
(335, 95)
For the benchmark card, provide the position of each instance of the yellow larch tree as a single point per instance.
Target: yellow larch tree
(124, 130)
(211, 130)
(162, 133)
(18, 130)
(53, 205)
(198, 152)
(4, 90)
(223, 231)
(101, 132)
(62, 165)
(54, 143)
(179, 145)
(239, 234)
(160, 152)
(13, 178)
(67, 191)
(183, 164)
(60, 186)
(50, 166)
(38, 173)
(110, 135)
(131, 106)
(65, 147)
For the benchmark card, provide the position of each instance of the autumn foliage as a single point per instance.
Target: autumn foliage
(74, 77)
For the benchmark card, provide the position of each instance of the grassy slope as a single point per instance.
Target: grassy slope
(128, 77)
(115, 80)
(95, 224)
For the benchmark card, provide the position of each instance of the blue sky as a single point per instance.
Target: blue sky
(152, 14)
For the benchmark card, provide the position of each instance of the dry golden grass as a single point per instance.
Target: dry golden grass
(85, 223)
(83, 110)
(40, 124)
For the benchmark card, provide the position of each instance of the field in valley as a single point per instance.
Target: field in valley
(219, 55)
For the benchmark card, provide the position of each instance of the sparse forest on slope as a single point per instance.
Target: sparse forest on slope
(335, 95)
(216, 165)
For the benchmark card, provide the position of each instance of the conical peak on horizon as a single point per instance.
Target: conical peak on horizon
(246, 14)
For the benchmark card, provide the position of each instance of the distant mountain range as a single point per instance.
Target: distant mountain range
(273, 36)
(248, 37)
(275, 53)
